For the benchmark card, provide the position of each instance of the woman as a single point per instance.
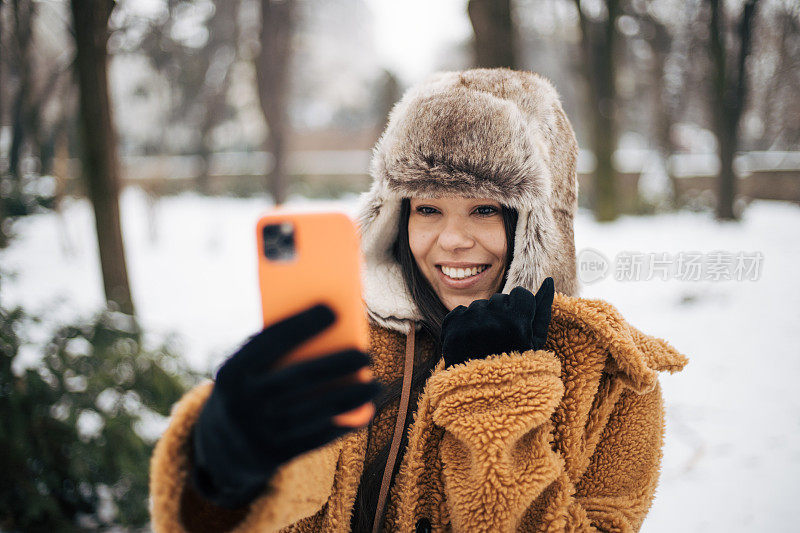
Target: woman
(502, 410)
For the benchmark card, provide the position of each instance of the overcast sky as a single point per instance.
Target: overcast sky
(410, 33)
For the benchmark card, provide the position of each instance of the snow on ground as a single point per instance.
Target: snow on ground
(732, 453)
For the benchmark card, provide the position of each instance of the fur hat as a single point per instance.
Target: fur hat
(483, 133)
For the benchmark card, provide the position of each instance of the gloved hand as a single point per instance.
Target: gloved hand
(258, 417)
(505, 322)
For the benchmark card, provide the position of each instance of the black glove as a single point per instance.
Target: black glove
(258, 418)
(503, 323)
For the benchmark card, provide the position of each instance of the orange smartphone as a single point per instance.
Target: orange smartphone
(309, 258)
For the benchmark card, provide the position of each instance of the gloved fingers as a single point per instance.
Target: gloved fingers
(544, 311)
(277, 340)
(309, 437)
(330, 403)
(281, 430)
(521, 302)
(300, 428)
(546, 291)
(479, 305)
(305, 376)
(453, 314)
(498, 300)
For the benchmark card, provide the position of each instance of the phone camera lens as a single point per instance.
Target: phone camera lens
(279, 241)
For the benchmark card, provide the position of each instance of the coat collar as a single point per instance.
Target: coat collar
(636, 357)
(633, 356)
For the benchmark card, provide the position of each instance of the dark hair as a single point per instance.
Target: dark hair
(433, 312)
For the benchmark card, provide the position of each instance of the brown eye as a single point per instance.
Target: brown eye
(486, 210)
(426, 210)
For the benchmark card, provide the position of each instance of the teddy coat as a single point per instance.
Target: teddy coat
(567, 438)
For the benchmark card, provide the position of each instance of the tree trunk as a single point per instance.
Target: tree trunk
(3, 236)
(664, 100)
(17, 134)
(495, 37)
(214, 110)
(100, 166)
(272, 71)
(2, 52)
(223, 34)
(23, 33)
(662, 127)
(388, 94)
(203, 179)
(598, 40)
(729, 95)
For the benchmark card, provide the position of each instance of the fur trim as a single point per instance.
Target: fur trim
(483, 133)
(636, 357)
(298, 488)
(543, 440)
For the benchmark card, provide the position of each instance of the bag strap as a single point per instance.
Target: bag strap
(397, 436)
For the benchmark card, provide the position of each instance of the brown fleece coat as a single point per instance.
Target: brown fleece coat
(567, 438)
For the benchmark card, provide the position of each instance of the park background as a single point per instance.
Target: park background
(140, 140)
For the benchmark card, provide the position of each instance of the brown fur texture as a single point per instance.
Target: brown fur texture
(482, 133)
(567, 438)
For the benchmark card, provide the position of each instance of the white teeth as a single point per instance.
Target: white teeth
(460, 273)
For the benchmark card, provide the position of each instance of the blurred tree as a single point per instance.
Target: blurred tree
(495, 42)
(34, 84)
(100, 165)
(598, 47)
(3, 236)
(341, 74)
(643, 109)
(78, 429)
(217, 58)
(729, 93)
(199, 75)
(665, 96)
(775, 73)
(272, 72)
(651, 60)
(2, 57)
(23, 12)
(388, 93)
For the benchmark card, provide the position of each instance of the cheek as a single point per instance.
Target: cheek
(501, 247)
(419, 241)
(493, 241)
(498, 248)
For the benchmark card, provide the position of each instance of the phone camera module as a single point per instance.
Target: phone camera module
(279, 241)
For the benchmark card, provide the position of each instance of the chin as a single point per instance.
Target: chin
(453, 302)
(452, 298)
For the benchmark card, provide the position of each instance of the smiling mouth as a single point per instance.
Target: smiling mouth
(461, 273)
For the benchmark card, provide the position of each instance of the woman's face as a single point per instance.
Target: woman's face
(459, 244)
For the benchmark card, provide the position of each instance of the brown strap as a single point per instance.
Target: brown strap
(398, 430)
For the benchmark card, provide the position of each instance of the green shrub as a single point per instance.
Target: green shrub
(78, 429)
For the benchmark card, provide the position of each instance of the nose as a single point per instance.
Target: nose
(455, 235)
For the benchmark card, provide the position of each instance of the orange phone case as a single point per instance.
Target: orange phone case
(325, 269)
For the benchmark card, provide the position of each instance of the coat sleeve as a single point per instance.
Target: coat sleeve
(495, 452)
(298, 489)
(617, 489)
(501, 471)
